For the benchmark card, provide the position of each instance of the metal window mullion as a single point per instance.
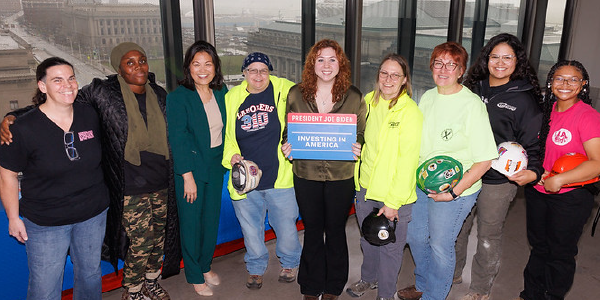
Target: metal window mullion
(204, 20)
(479, 24)
(455, 20)
(352, 37)
(407, 30)
(172, 42)
(309, 12)
(566, 36)
(532, 31)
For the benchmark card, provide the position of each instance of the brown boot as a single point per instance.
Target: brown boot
(409, 293)
(329, 297)
(309, 297)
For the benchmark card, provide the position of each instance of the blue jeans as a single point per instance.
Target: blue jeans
(47, 248)
(431, 236)
(283, 214)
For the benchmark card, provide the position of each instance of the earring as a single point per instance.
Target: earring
(549, 85)
(584, 90)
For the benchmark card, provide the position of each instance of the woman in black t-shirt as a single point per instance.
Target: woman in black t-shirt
(64, 200)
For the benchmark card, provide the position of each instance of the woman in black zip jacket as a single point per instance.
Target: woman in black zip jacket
(507, 83)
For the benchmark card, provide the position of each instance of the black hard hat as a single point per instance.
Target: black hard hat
(378, 230)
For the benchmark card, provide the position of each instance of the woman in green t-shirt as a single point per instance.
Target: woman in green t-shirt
(455, 124)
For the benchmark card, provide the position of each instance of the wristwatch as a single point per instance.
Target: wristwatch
(454, 196)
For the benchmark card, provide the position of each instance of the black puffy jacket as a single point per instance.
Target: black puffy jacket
(105, 96)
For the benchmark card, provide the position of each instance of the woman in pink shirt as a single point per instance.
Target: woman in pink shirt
(555, 214)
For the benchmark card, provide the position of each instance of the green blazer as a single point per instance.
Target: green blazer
(189, 133)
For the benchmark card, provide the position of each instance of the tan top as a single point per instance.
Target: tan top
(213, 115)
(328, 170)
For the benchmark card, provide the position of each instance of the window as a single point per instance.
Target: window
(552, 36)
(432, 30)
(379, 37)
(14, 104)
(330, 20)
(248, 26)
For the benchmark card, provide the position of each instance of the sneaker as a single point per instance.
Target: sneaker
(254, 282)
(154, 291)
(409, 293)
(132, 296)
(357, 289)
(475, 296)
(288, 275)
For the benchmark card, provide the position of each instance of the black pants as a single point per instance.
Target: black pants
(324, 207)
(554, 225)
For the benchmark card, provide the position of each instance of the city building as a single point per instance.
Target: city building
(95, 29)
(41, 14)
(17, 73)
(92, 28)
(8, 7)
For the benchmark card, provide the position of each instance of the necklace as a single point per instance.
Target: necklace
(325, 99)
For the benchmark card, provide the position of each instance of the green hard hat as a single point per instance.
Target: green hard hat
(438, 174)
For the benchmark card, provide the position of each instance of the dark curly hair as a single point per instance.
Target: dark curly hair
(40, 75)
(523, 69)
(195, 48)
(550, 98)
(309, 78)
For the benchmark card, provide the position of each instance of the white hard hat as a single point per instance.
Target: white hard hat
(512, 158)
(245, 176)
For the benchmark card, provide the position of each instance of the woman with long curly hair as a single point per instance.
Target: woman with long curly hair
(507, 83)
(556, 214)
(325, 188)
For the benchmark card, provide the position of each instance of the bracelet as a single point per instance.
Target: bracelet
(454, 196)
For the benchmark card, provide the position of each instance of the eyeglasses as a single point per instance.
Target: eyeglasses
(72, 153)
(394, 76)
(569, 81)
(438, 64)
(507, 59)
(257, 71)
